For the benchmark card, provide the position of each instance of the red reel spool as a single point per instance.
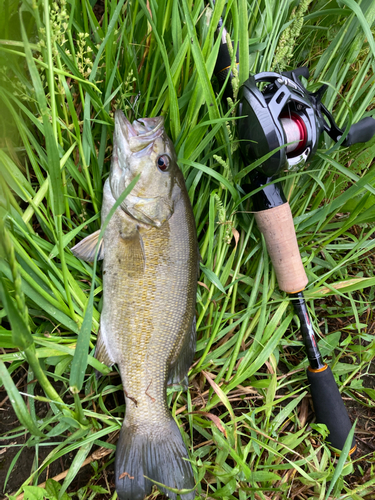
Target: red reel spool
(295, 132)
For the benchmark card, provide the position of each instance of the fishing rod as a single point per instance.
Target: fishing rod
(276, 113)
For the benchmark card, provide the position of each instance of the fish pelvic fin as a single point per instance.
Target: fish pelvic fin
(153, 453)
(85, 249)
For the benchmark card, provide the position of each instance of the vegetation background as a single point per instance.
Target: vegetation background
(247, 418)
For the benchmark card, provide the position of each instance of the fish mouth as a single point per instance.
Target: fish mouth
(140, 134)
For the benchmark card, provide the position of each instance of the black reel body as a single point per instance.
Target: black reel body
(281, 117)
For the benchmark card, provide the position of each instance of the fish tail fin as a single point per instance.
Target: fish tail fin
(157, 452)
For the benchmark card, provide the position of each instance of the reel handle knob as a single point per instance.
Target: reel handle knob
(362, 131)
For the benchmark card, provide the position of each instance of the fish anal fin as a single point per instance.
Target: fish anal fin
(183, 358)
(102, 354)
(85, 249)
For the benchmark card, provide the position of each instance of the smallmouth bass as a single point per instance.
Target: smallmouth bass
(147, 325)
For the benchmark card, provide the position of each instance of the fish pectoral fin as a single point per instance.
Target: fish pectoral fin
(85, 249)
(132, 254)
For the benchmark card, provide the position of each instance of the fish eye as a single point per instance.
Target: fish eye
(163, 163)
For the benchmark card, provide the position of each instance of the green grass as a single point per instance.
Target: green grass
(245, 418)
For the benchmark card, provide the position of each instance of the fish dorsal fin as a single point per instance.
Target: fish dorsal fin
(85, 249)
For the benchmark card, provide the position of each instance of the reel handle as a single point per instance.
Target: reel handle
(362, 131)
(302, 71)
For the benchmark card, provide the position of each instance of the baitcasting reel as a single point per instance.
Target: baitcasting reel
(287, 118)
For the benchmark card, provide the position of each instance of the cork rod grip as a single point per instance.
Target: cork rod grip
(276, 225)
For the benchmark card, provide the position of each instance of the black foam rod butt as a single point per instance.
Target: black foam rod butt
(329, 406)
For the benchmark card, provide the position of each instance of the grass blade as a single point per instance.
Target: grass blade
(18, 403)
